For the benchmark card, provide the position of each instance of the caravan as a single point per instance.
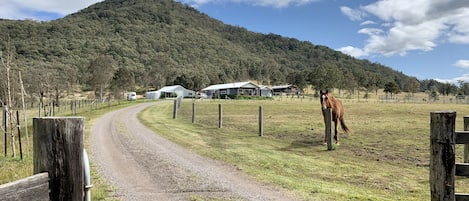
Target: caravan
(131, 96)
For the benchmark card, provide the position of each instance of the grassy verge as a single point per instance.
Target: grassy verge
(12, 168)
(386, 157)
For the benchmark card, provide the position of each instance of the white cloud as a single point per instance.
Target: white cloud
(368, 22)
(28, 9)
(418, 25)
(354, 15)
(266, 3)
(353, 51)
(462, 63)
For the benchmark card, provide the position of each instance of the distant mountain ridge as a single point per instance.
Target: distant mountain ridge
(162, 42)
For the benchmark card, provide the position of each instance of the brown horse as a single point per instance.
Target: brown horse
(329, 101)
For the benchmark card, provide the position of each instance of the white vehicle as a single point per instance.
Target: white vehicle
(131, 96)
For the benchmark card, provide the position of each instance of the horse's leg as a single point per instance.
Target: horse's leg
(336, 136)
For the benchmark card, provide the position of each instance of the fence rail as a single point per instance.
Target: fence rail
(35, 187)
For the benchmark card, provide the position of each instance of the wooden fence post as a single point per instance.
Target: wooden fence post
(175, 109)
(261, 121)
(328, 132)
(220, 116)
(193, 112)
(466, 146)
(442, 157)
(4, 123)
(58, 150)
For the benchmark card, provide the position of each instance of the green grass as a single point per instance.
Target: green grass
(386, 157)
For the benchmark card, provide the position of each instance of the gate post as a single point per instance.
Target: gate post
(466, 146)
(442, 155)
(58, 150)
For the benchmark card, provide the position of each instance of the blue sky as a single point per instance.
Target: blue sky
(428, 39)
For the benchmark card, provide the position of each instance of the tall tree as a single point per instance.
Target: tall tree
(123, 80)
(100, 72)
(412, 85)
(392, 88)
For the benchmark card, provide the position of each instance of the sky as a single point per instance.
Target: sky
(427, 39)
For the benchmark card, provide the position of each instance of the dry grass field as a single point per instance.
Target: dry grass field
(386, 157)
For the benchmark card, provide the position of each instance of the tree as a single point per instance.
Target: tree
(326, 76)
(392, 88)
(298, 79)
(100, 73)
(463, 88)
(123, 80)
(447, 88)
(412, 85)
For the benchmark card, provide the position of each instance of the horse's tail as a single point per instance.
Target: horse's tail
(344, 126)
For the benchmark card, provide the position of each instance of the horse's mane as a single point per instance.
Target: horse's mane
(331, 99)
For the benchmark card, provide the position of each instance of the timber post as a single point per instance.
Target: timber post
(4, 124)
(220, 116)
(328, 121)
(58, 150)
(261, 121)
(466, 146)
(193, 112)
(175, 108)
(442, 155)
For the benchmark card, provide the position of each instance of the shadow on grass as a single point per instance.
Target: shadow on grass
(301, 144)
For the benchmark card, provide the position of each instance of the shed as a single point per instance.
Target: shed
(284, 89)
(265, 91)
(232, 89)
(170, 92)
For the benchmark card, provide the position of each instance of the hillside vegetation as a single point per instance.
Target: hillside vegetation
(120, 45)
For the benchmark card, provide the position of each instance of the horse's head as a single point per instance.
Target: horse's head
(325, 101)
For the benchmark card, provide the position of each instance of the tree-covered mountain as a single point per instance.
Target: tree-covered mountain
(119, 45)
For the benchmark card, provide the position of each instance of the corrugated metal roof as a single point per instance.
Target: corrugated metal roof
(228, 86)
(282, 86)
(170, 88)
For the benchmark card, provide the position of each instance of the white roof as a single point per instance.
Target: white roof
(282, 86)
(170, 88)
(229, 86)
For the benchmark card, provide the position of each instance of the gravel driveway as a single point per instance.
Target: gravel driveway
(144, 166)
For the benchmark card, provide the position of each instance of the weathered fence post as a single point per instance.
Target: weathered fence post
(328, 126)
(261, 121)
(220, 116)
(19, 133)
(466, 146)
(58, 150)
(442, 157)
(193, 112)
(175, 109)
(4, 123)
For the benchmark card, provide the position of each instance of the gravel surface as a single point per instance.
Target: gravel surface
(144, 166)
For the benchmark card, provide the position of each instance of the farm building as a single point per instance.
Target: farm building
(232, 89)
(284, 89)
(265, 91)
(170, 92)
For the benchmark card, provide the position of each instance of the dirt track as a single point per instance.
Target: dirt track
(144, 166)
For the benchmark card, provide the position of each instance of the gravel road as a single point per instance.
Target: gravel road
(144, 166)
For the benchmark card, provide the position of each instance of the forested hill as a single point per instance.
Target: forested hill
(152, 43)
